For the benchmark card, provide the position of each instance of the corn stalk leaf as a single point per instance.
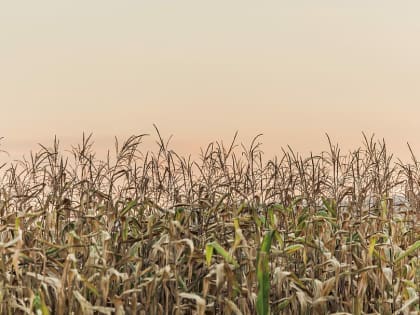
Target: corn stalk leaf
(128, 207)
(263, 275)
(408, 251)
(221, 251)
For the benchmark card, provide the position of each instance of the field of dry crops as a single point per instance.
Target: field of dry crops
(229, 233)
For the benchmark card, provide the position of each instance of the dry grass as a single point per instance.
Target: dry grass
(157, 233)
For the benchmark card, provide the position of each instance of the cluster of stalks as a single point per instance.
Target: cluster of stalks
(229, 233)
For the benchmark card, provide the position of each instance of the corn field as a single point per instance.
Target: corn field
(144, 232)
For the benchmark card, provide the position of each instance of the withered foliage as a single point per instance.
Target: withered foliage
(158, 233)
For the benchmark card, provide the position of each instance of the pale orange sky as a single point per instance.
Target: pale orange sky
(201, 70)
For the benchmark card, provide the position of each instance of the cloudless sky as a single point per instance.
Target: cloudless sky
(201, 70)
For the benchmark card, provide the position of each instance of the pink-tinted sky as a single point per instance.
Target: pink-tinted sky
(201, 70)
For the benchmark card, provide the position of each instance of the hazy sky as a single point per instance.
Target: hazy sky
(201, 70)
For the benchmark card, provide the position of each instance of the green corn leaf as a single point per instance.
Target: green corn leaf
(408, 251)
(372, 244)
(226, 256)
(263, 275)
(125, 231)
(39, 305)
(293, 248)
(279, 238)
(221, 251)
(330, 205)
(128, 207)
(283, 304)
(209, 253)
(272, 218)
